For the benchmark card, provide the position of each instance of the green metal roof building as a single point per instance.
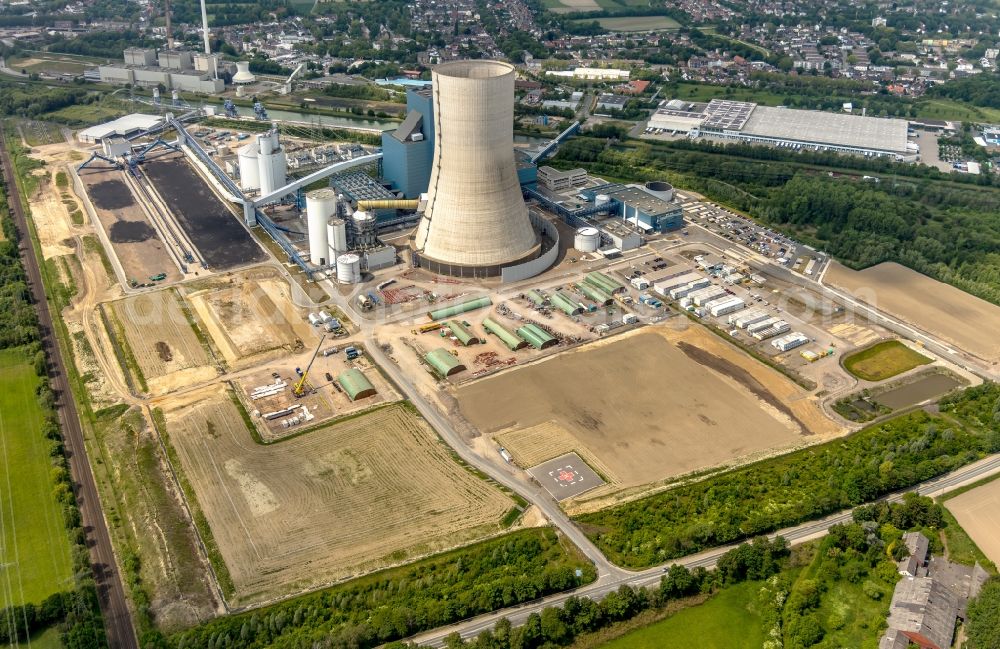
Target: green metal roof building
(460, 308)
(464, 335)
(604, 282)
(598, 295)
(566, 304)
(536, 298)
(443, 362)
(536, 336)
(356, 384)
(512, 342)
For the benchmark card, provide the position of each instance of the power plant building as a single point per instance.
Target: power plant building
(476, 222)
(174, 69)
(408, 152)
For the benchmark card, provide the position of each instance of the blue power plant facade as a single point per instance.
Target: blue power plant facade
(408, 152)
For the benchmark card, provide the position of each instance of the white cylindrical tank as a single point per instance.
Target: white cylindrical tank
(474, 202)
(349, 269)
(223, 150)
(661, 189)
(364, 228)
(249, 168)
(587, 240)
(273, 164)
(320, 205)
(336, 238)
(602, 199)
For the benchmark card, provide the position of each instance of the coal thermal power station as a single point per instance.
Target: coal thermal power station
(475, 222)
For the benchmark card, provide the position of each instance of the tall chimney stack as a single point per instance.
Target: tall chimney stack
(170, 33)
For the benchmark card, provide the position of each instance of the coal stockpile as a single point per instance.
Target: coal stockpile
(222, 240)
(131, 232)
(110, 195)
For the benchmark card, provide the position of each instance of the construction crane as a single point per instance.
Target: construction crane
(300, 387)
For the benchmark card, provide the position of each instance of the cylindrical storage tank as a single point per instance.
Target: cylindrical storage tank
(223, 149)
(349, 268)
(320, 204)
(661, 189)
(587, 240)
(249, 168)
(336, 238)
(364, 228)
(602, 199)
(272, 171)
(475, 215)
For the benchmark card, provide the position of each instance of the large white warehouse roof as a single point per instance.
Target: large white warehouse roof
(123, 127)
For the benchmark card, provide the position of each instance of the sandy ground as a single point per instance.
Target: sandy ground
(639, 404)
(978, 512)
(373, 491)
(165, 346)
(933, 306)
(251, 318)
(135, 243)
(51, 219)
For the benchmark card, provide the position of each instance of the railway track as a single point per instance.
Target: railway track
(110, 590)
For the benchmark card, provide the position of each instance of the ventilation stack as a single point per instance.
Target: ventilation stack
(475, 222)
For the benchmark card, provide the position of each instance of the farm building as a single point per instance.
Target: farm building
(443, 363)
(356, 384)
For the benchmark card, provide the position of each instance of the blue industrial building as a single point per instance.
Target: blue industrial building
(635, 205)
(408, 152)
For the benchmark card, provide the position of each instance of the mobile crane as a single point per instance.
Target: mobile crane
(300, 386)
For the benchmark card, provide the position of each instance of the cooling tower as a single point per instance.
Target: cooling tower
(475, 221)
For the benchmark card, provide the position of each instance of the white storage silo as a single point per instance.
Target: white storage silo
(602, 199)
(336, 238)
(273, 164)
(349, 268)
(249, 168)
(320, 205)
(587, 240)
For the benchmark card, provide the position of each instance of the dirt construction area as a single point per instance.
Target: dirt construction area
(250, 315)
(978, 512)
(159, 335)
(136, 244)
(935, 307)
(645, 407)
(338, 502)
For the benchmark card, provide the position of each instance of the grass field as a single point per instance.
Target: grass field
(47, 639)
(883, 360)
(727, 621)
(638, 23)
(35, 557)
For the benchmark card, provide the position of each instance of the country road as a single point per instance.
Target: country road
(117, 618)
(798, 534)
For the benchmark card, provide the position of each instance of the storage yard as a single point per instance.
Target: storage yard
(644, 408)
(135, 242)
(212, 226)
(345, 500)
(159, 341)
(935, 307)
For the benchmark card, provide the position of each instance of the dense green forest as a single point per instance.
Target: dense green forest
(984, 617)
(26, 100)
(76, 613)
(978, 90)
(801, 486)
(942, 226)
(100, 44)
(394, 604)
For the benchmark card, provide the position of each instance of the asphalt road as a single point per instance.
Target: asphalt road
(798, 534)
(117, 619)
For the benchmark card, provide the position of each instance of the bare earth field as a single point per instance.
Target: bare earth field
(335, 503)
(933, 306)
(162, 339)
(978, 512)
(251, 315)
(640, 409)
(135, 242)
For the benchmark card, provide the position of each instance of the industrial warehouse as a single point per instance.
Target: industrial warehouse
(737, 121)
